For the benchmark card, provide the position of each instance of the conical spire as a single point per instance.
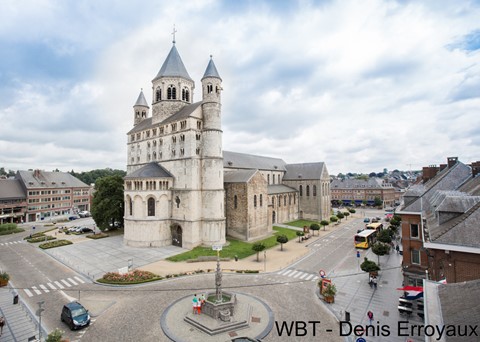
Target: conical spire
(211, 70)
(173, 66)
(141, 100)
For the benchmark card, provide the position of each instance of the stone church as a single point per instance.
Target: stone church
(182, 189)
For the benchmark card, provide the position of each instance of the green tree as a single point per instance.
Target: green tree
(107, 206)
(352, 211)
(346, 214)
(300, 234)
(333, 219)
(380, 248)
(324, 223)
(90, 177)
(314, 227)
(377, 201)
(281, 239)
(384, 236)
(340, 216)
(369, 266)
(258, 247)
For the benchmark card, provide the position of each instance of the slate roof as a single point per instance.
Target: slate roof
(211, 70)
(304, 171)
(11, 189)
(151, 170)
(248, 161)
(274, 189)
(471, 186)
(47, 179)
(183, 113)
(238, 176)
(358, 183)
(173, 66)
(141, 100)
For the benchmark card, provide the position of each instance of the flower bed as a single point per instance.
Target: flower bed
(97, 236)
(53, 244)
(134, 277)
(41, 239)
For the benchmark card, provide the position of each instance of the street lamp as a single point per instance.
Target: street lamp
(39, 314)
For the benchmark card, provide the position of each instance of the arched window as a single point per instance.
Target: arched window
(235, 202)
(279, 201)
(278, 179)
(144, 114)
(130, 206)
(285, 200)
(261, 200)
(300, 188)
(308, 190)
(254, 201)
(158, 94)
(137, 114)
(268, 179)
(314, 190)
(209, 88)
(151, 207)
(273, 201)
(171, 93)
(183, 94)
(289, 199)
(187, 95)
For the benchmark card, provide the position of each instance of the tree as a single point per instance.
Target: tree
(314, 227)
(90, 177)
(352, 211)
(333, 219)
(346, 214)
(384, 236)
(372, 174)
(340, 216)
(281, 239)
(258, 247)
(377, 201)
(324, 223)
(300, 234)
(369, 266)
(107, 206)
(380, 248)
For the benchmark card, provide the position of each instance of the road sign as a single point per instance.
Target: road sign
(322, 273)
(358, 254)
(217, 247)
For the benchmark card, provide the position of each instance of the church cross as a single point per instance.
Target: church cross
(173, 34)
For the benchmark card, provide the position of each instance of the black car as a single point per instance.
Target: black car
(75, 315)
(85, 230)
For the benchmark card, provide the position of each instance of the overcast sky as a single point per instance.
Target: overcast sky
(361, 85)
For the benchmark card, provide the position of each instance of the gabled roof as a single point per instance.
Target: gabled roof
(183, 113)
(471, 186)
(305, 171)
(47, 179)
(238, 176)
(211, 70)
(141, 100)
(11, 189)
(173, 66)
(275, 189)
(151, 170)
(235, 160)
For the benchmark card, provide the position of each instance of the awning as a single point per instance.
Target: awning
(412, 292)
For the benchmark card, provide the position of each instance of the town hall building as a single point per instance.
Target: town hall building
(183, 189)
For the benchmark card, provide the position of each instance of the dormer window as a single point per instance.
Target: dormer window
(171, 93)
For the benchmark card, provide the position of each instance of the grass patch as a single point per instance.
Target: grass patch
(301, 223)
(238, 248)
(56, 243)
(97, 236)
(10, 228)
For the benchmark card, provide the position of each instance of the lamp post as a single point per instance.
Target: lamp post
(39, 314)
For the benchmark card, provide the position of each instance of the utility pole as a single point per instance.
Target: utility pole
(39, 314)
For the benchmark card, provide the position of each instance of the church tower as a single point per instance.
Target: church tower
(212, 158)
(140, 109)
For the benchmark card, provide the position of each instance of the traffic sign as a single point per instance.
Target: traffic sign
(322, 273)
(217, 247)
(358, 254)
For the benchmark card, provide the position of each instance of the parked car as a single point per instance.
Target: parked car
(84, 230)
(366, 220)
(73, 229)
(84, 213)
(71, 218)
(75, 315)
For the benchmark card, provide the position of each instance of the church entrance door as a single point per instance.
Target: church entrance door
(177, 235)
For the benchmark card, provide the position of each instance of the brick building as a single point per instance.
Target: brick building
(13, 201)
(362, 191)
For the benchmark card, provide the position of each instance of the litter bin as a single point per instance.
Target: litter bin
(347, 316)
(15, 299)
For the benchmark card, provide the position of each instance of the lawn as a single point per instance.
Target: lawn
(235, 248)
(301, 223)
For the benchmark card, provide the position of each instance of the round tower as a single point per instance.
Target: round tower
(140, 109)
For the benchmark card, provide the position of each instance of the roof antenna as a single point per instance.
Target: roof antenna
(173, 34)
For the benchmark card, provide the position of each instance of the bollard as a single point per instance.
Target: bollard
(15, 299)
(347, 316)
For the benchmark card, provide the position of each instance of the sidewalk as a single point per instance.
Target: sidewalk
(20, 322)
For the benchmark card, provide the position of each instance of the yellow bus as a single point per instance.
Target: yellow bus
(365, 238)
(375, 226)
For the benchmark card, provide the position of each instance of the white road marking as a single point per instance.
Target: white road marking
(27, 291)
(80, 279)
(60, 286)
(44, 288)
(310, 276)
(303, 276)
(34, 288)
(72, 281)
(66, 283)
(51, 286)
(286, 273)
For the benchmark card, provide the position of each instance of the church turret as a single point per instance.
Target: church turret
(172, 87)
(140, 109)
(211, 91)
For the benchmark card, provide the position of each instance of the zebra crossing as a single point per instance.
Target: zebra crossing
(299, 275)
(11, 243)
(53, 286)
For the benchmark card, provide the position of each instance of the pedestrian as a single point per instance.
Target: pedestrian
(194, 303)
(370, 281)
(202, 300)
(397, 248)
(370, 317)
(2, 323)
(199, 307)
(374, 281)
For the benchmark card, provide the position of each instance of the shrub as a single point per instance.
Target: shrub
(97, 236)
(134, 277)
(55, 336)
(4, 276)
(41, 239)
(9, 228)
(281, 239)
(300, 234)
(56, 243)
(258, 247)
(314, 227)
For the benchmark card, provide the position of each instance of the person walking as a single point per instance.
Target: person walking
(370, 281)
(194, 303)
(370, 316)
(2, 323)
(374, 281)
(397, 248)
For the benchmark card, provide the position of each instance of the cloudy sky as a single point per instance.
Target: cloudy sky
(361, 85)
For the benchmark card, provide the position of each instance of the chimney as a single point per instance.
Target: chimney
(443, 167)
(451, 161)
(429, 172)
(475, 168)
(36, 173)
